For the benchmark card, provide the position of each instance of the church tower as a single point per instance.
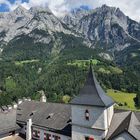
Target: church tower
(92, 111)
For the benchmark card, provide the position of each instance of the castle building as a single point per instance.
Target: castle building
(89, 116)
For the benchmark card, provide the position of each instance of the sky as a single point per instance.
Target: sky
(59, 7)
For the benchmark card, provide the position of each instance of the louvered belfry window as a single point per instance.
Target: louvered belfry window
(87, 115)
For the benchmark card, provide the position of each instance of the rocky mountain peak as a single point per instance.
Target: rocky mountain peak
(20, 10)
(80, 10)
(35, 10)
(103, 26)
(106, 8)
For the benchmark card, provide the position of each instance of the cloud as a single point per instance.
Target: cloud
(5, 2)
(130, 7)
(11, 6)
(60, 7)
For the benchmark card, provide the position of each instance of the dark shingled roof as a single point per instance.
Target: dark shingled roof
(48, 115)
(137, 115)
(124, 122)
(4, 108)
(8, 121)
(92, 94)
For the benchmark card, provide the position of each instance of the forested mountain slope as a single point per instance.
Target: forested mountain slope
(39, 51)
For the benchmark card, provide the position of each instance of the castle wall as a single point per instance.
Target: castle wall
(96, 127)
(97, 119)
(79, 133)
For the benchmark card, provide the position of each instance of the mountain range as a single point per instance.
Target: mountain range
(104, 28)
(39, 51)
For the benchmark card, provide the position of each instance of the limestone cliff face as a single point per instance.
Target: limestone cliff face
(104, 27)
(22, 21)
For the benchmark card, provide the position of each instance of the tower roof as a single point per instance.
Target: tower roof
(92, 94)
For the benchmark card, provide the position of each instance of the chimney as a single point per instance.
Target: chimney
(43, 97)
(29, 129)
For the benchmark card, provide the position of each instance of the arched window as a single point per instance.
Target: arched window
(87, 115)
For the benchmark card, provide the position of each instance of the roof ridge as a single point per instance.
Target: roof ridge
(133, 121)
(130, 119)
(95, 80)
(35, 101)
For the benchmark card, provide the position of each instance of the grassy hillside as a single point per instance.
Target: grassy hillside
(60, 75)
(123, 99)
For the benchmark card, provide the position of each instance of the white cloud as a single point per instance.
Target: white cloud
(10, 5)
(60, 7)
(130, 7)
(5, 2)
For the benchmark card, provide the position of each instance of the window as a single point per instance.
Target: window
(56, 138)
(87, 115)
(47, 136)
(89, 138)
(36, 133)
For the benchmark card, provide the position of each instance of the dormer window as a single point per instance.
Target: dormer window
(87, 115)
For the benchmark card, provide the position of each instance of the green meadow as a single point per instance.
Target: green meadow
(26, 62)
(123, 99)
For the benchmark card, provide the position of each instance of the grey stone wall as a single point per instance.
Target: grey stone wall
(79, 133)
(98, 117)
